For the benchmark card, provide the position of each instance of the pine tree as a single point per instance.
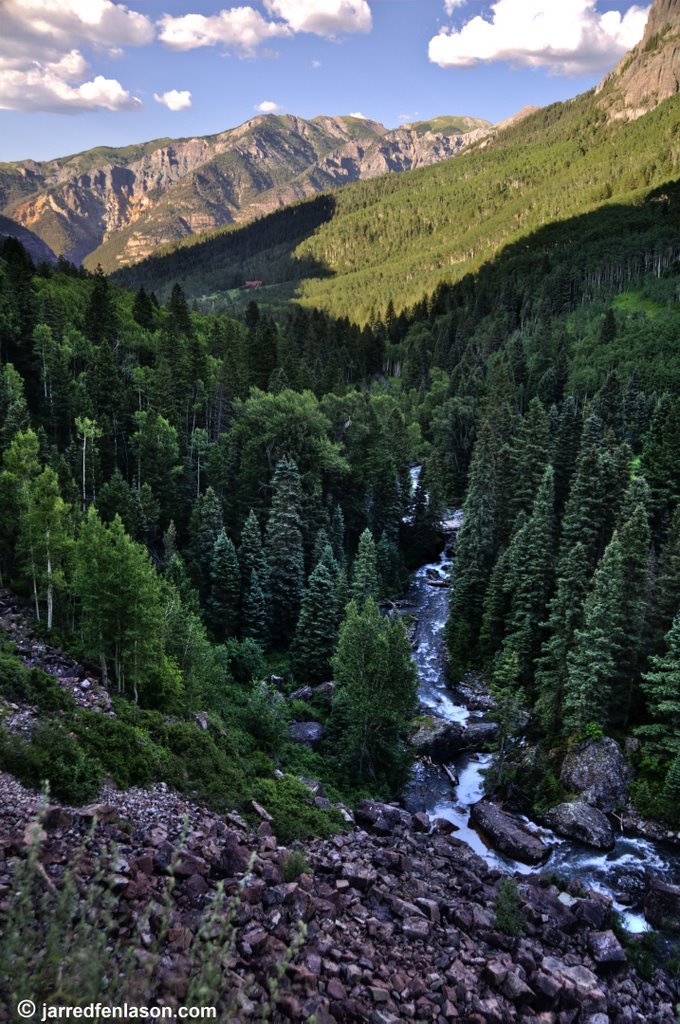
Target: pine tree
(660, 461)
(376, 694)
(317, 630)
(661, 688)
(225, 588)
(594, 658)
(365, 582)
(283, 545)
(564, 618)
(529, 579)
(204, 528)
(254, 616)
(529, 456)
(667, 598)
(476, 551)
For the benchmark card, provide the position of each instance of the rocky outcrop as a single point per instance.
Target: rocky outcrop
(438, 739)
(650, 73)
(508, 833)
(400, 924)
(115, 207)
(581, 822)
(309, 734)
(597, 771)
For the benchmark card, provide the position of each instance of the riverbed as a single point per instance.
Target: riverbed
(622, 873)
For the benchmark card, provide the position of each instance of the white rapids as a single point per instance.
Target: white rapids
(620, 873)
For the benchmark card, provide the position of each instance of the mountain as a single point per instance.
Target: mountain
(650, 73)
(398, 237)
(115, 206)
(33, 245)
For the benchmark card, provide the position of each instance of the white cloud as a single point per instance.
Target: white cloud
(323, 17)
(47, 87)
(567, 36)
(316, 64)
(174, 99)
(451, 5)
(241, 28)
(41, 63)
(269, 107)
(357, 113)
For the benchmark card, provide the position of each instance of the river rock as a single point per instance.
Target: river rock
(480, 734)
(606, 948)
(508, 833)
(597, 771)
(580, 821)
(309, 734)
(439, 740)
(383, 818)
(662, 905)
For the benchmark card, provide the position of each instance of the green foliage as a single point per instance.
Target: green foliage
(31, 686)
(376, 692)
(509, 917)
(291, 806)
(294, 865)
(54, 757)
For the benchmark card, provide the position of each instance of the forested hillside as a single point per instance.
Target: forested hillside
(391, 239)
(191, 502)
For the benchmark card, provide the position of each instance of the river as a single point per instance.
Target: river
(622, 873)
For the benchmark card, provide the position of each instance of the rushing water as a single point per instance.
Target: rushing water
(622, 873)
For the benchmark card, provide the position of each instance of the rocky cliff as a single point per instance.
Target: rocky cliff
(116, 206)
(650, 73)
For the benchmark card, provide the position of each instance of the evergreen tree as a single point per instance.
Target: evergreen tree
(476, 550)
(660, 461)
(661, 688)
(317, 630)
(564, 618)
(376, 694)
(365, 582)
(594, 658)
(667, 597)
(204, 529)
(283, 545)
(225, 588)
(254, 617)
(252, 556)
(529, 456)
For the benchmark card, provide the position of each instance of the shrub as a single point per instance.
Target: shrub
(245, 660)
(32, 686)
(508, 908)
(287, 800)
(294, 865)
(54, 757)
(127, 753)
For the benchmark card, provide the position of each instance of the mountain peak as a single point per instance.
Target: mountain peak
(650, 73)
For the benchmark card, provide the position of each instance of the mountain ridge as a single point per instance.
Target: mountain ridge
(115, 206)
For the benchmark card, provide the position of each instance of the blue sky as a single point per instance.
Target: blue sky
(81, 73)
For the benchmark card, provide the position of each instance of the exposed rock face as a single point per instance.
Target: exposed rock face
(583, 823)
(597, 771)
(650, 73)
(508, 833)
(117, 206)
(399, 924)
(310, 734)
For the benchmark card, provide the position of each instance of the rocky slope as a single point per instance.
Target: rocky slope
(392, 921)
(650, 73)
(117, 206)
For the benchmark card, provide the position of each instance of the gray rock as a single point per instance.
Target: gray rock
(479, 734)
(508, 833)
(310, 734)
(597, 771)
(439, 740)
(606, 948)
(662, 905)
(579, 821)
(381, 817)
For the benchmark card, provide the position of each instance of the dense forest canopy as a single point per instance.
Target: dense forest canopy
(198, 503)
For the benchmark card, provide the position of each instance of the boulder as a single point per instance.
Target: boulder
(310, 734)
(606, 948)
(479, 735)
(383, 818)
(581, 822)
(597, 771)
(508, 833)
(439, 740)
(662, 905)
